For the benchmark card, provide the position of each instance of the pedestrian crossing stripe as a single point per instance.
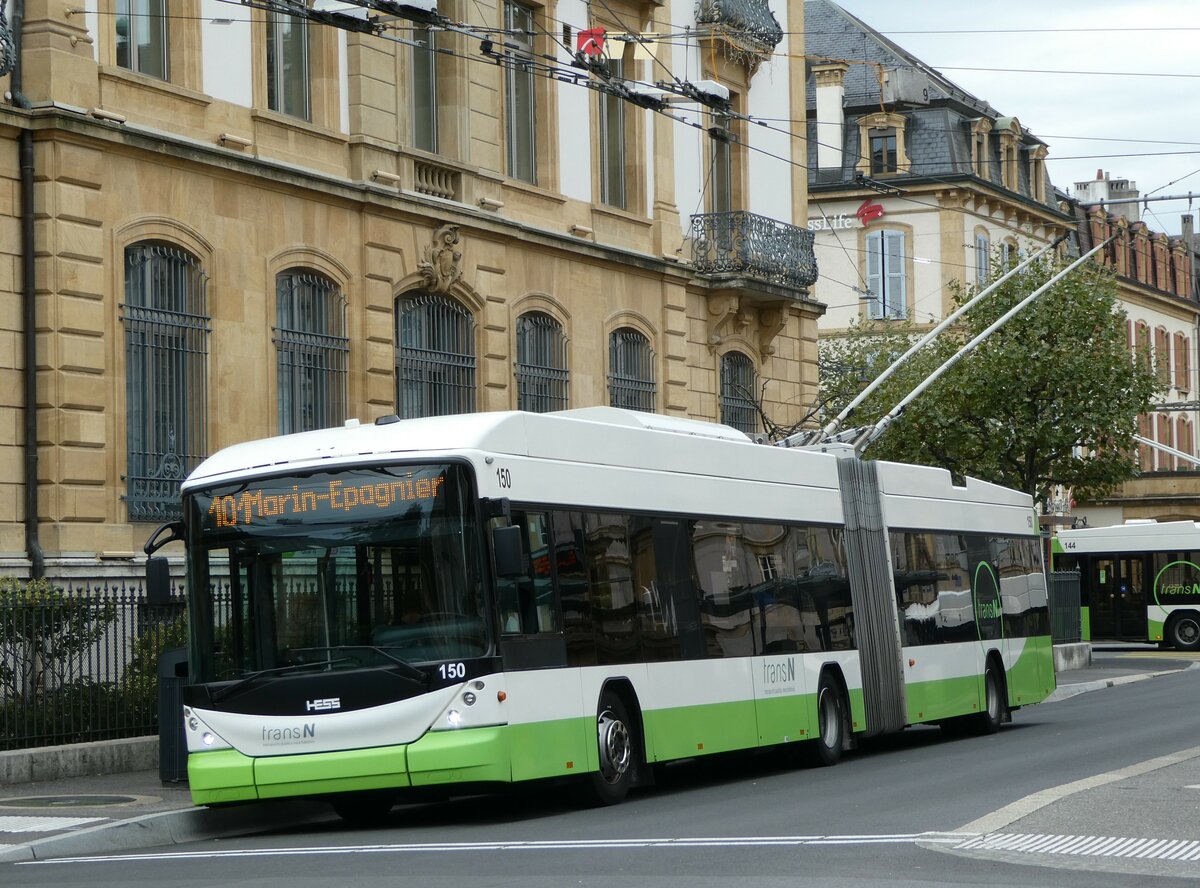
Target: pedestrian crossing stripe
(1086, 846)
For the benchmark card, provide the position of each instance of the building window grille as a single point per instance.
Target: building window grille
(435, 357)
(288, 65)
(166, 321)
(738, 388)
(312, 350)
(541, 372)
(886, 275)
(519, 101)
(424, 91)
(630, 371)
(142, 36)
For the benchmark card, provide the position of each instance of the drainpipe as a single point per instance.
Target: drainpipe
(37, 559)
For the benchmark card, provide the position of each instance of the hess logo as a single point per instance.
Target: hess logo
(323, 704)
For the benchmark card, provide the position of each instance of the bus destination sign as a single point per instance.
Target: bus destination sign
(318, 497)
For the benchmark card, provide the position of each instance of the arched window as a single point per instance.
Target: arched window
(630, 370)
(311, 343)
(166, 364)
(542, 374)
(739, 386)
(435, 356)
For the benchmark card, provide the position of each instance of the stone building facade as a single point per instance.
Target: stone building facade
(245, 224)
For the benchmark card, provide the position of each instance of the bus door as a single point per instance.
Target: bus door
(1118, 599)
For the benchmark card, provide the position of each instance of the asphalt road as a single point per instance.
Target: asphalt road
(878, 818)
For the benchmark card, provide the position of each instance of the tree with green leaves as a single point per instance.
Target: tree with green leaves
(1050, 398)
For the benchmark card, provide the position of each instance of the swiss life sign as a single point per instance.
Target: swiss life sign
(867, 212)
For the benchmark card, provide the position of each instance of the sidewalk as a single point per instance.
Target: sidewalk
(127, 811)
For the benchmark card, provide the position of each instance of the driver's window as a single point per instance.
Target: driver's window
(528, 605)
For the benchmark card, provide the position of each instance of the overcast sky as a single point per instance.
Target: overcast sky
(1080, 116)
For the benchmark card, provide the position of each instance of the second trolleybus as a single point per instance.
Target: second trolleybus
(1138, 581)
(499, 597)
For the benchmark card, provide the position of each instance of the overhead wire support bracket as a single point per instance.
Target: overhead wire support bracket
(880, 427)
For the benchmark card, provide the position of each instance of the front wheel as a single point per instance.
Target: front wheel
(826, 748)
(616, 742)
(1184, 633)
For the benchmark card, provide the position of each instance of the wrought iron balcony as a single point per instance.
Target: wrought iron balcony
(748, 25)
(752, 246)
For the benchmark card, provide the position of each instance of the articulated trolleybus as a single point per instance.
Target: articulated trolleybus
(498, 597)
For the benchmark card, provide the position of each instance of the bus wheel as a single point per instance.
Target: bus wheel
(826, 748)
(364, 808)
(988, 721)
(617, 744)
(1185, 632)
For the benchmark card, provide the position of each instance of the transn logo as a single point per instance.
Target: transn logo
(323, 704)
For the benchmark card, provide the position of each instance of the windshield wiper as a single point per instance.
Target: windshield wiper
(222, 693)
(404, 668)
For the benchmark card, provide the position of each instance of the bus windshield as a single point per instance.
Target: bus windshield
(337, 570)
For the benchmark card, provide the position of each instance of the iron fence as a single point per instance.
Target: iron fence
(1065, 616)
(78, 663)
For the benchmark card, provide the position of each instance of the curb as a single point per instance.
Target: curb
(169, 828)
(1066, 692)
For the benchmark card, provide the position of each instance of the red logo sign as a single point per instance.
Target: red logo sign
(868, 212)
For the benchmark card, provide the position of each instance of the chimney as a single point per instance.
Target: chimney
(1188, 231)
(830, 91)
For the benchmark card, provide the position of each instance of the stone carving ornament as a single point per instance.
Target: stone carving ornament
(441, 261)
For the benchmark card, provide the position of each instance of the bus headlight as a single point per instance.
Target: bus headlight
(454, 718)
(469, 698)
(208, 738)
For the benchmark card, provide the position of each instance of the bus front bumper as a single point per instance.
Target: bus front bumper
(472, 755)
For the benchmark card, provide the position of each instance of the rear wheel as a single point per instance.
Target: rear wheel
(617, 745)
(826, 748)
(1184, 632)
(988, 721)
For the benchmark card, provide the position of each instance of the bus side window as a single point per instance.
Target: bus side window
(528, 605)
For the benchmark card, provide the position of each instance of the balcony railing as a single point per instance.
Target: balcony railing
(752, 246)
(749, 25)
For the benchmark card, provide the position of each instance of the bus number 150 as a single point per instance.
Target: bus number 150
(453, 670)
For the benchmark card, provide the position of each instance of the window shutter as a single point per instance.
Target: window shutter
(894, 290)
(875, 274)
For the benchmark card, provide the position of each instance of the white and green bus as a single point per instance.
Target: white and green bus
(499, 597)
(1138, 581)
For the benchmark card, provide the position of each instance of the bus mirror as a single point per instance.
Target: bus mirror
(166, 533)
(158, 582)
(506, 550)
